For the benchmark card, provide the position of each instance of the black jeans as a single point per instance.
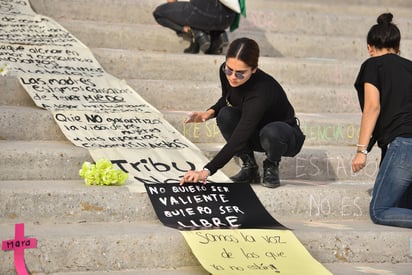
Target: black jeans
(276, 139)
(205, 15)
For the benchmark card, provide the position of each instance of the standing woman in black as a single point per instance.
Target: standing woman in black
(253, 114)
(204, 21)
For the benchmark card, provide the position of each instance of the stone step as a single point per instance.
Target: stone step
(308, 17)
(156, 38)
(383, 3)
(28, 123)
(167, 95)
(192, 270)
(127, 64)
(71, 201)
(12, 93)
(333, 19)
(313, 163)
(32, 123)
(335, 268)
(198, 95)
(320, 128)
(307, 46)
(40, 160)
(122, 246)
(50, 160)
(355, 7)
(130, 11)
(82, 228)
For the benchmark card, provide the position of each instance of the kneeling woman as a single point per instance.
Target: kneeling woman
(253, 114)
(384, 86)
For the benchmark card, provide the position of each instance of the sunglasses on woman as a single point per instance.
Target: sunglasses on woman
(238, 74)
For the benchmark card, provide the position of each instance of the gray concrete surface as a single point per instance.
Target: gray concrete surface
(71, 201)
(314, 49)
(97, 246)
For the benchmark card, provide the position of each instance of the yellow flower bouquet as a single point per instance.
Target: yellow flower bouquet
(102, 173)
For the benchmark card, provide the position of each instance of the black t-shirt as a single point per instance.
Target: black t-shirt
(392, 76)
(261, 100)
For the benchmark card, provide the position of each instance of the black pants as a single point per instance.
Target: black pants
(276, 139)
(205, 15)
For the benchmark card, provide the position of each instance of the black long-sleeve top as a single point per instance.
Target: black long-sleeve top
(261, 100)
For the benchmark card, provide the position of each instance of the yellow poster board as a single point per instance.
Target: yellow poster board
(252, 251)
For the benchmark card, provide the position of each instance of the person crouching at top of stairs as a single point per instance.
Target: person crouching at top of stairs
(253, 114)
(384, 86)
(203, 22)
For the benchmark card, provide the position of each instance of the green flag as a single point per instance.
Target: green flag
(235, 23)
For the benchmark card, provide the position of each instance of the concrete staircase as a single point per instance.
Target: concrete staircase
(314, 48)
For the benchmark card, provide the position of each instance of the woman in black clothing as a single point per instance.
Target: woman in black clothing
(384, 86)
(203, 21)
(253, 114)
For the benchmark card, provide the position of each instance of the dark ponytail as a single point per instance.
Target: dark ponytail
(385, 34)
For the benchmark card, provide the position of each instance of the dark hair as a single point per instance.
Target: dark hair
(244, 49)
(385, 34)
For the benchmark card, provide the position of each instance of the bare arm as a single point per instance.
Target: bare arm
(370, 115)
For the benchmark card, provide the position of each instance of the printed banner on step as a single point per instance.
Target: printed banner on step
(216, 205)
(252, 251)
(132, 130)
(15, 7)
(70, 61)
(99, 94)
(156, 166)
(35, 30)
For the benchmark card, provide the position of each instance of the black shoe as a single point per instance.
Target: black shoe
(202, 39)
(249, 172)
(270, 174)
(193, 48)
(219, 41)
(199, 41)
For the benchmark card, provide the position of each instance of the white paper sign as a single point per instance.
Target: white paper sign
(35, 30)
(15, 7)
(126, 130)
(156, 166)
(98, 94)
(49, 60)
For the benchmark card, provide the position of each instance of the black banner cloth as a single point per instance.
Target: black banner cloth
(209, 206)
